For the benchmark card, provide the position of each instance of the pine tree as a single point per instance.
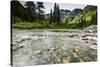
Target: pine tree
(56, 14)
(40, 6)
(50, 19)
(31, 11)
(30, 6)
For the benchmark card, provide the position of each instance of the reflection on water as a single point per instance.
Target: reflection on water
(32, 47)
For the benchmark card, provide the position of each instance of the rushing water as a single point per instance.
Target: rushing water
(35, 47)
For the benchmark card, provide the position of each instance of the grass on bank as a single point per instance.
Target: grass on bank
(36, 25)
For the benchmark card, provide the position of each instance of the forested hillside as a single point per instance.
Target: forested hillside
(32, 16)
(86, 18)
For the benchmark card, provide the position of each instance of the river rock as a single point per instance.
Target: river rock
(38, 52)
(91, 29)
(17, 48)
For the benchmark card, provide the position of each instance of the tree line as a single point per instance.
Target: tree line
(30, 12)
(33, 13)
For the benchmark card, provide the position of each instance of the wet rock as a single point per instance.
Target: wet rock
(65, 53)
(22, 39)
(84, 38)
(51, 50)
(94, 47)
(86, 42)
(74, 59)
(73, 35)
(17, 48)
(91, 29)
(94, 43)
(19, 41)
(38, 52)
(35, 38)
(65, 60)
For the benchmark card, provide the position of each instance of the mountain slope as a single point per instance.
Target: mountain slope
(86, 18)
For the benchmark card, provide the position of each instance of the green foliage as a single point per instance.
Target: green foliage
(67, 20)
(17, 10)
(89, 16)
(31, 11)
(16, 19)
(36, 25)
(28, 13)
(86, 18)
(32, 16)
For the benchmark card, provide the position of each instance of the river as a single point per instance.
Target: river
(46, 46)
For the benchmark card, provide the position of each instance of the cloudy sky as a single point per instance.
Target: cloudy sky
(64, 6)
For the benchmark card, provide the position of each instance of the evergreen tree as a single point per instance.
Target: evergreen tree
(50, 19)
(17, 11)
(40, 11)
(40, 6)
(56, 14)
(30, 6)
(31, 11)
